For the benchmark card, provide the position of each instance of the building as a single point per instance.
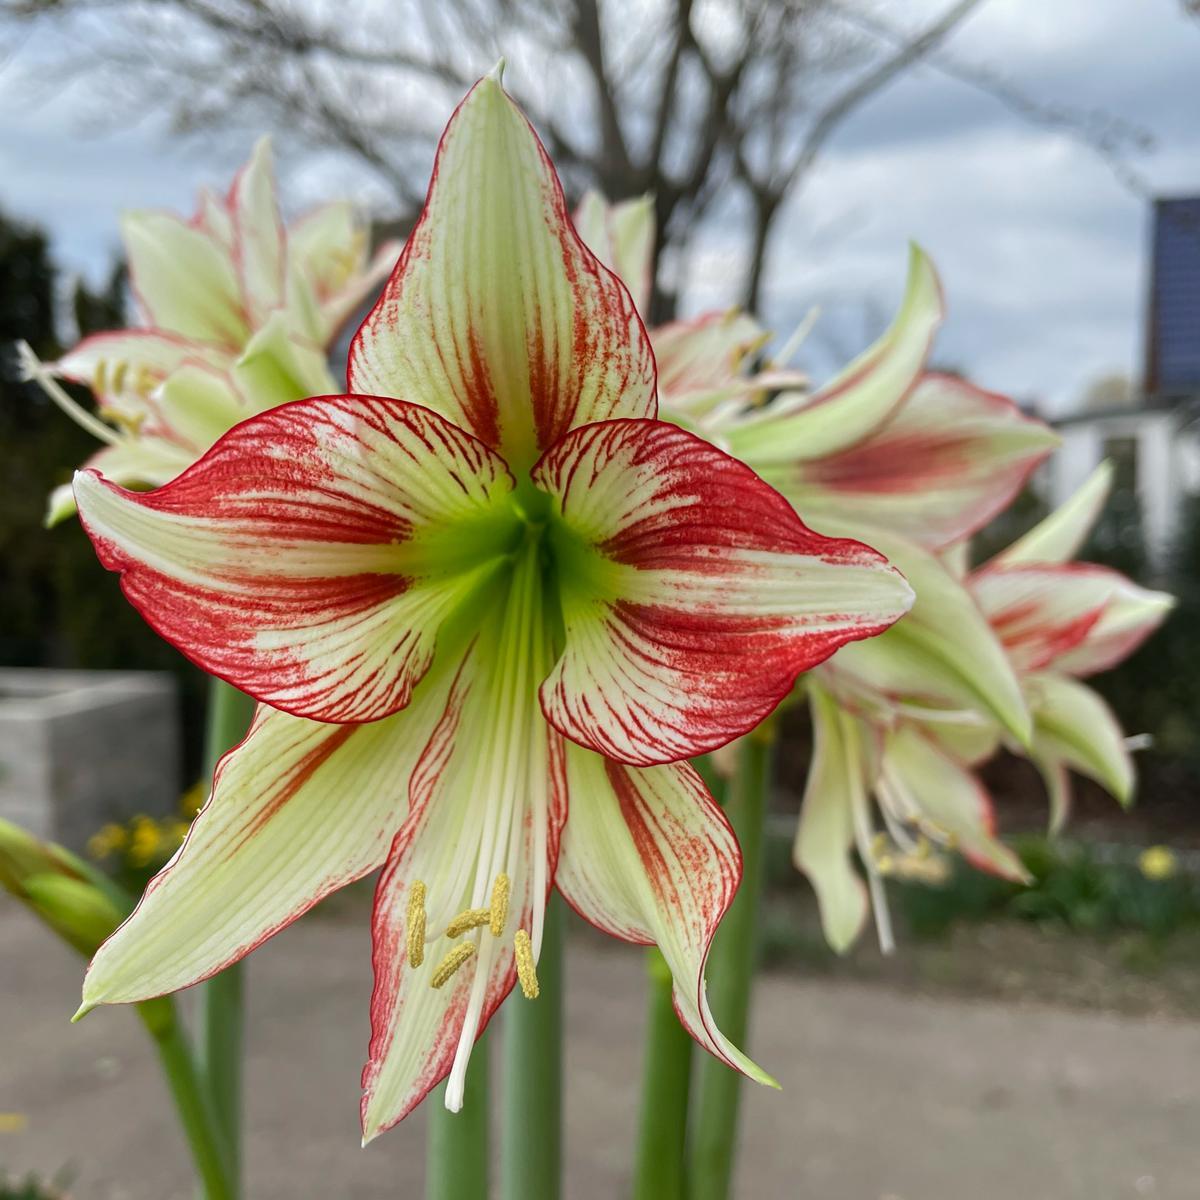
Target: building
(1150, 428)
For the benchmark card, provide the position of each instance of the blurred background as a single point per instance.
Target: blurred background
(1024, 1041)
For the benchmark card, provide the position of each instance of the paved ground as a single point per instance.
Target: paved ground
(887, 1096)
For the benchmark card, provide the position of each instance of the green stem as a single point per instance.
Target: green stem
(666, 1074)
(731, 966)
(456, 1154)
(191, 1102)
(221, 1000)
(531, 1145)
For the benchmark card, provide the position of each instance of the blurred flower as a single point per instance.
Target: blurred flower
(238, 314)
(1157, 863)
(1060, 621)
(528, 587)
(911, 462)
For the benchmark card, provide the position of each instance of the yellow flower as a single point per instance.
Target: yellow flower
(1157, 863)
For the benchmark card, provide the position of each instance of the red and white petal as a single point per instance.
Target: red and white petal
(649, 857)
(1039, 613)
(699, 360)
(311, 555)
(927, 788)
(497, 315)
(298, 810)
(943, 653)
(943, 465)
(1074, 726)
(1132, 614)
(140, 462)
(488, 796)
(825, 835)
(1058, 538)
(184, 279)
(692, 594)
(859, 399)
(622, 237)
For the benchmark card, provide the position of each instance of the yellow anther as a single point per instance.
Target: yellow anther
(526, 971)
(145, 380)
(885, 864)
(118, 375)
(101, 371)
(499, 911)
(470, 918)
(451, 963)
(416, 924)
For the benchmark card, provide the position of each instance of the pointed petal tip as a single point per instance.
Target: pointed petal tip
(496, 74)
(83, 1010)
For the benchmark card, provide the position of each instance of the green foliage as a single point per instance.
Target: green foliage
(1074, 886)
(30, 1188)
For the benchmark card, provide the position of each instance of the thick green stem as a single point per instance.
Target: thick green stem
(660, 1173)
(531, 1145)
(456, 1150)
(731, 967)
(191, 1102)
(221, 1000)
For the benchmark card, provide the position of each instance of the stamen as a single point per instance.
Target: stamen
(416, 924)
(526, 971)
(118, 375)
(470, 918)
(498, 913)
(455, 959)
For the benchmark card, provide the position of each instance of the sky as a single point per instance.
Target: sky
(1041, 248)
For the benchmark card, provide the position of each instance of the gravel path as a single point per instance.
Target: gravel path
(887, 1096)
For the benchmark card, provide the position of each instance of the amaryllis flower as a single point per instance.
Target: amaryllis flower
(238, 311)
(1060, 621)
(489, 604)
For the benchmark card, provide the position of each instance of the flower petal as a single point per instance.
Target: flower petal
(261, 245)
(649, 857)
(298, 810)
(1131, 615)
(277, 366)
(922, 785)
(1073, 725)
(943, 465)
(825, 836)
(1040, 613)
(622, 237)
(311, 555)
(692, 593)
(943, 652)
(1058, 538)
(497, 314)
(863, 395)
(183, 279)
(488, 797)
(700, 359)
(197, 404)
(140, 462)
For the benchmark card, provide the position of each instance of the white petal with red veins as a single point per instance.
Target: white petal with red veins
(692, 593)
(649, 857)
(497, 314)
(311, 556)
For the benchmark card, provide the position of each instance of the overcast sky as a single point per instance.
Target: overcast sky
(1041, 249)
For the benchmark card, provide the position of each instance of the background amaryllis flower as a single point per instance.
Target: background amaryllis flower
(507, 596)
(238, 311)
(1060, 620)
